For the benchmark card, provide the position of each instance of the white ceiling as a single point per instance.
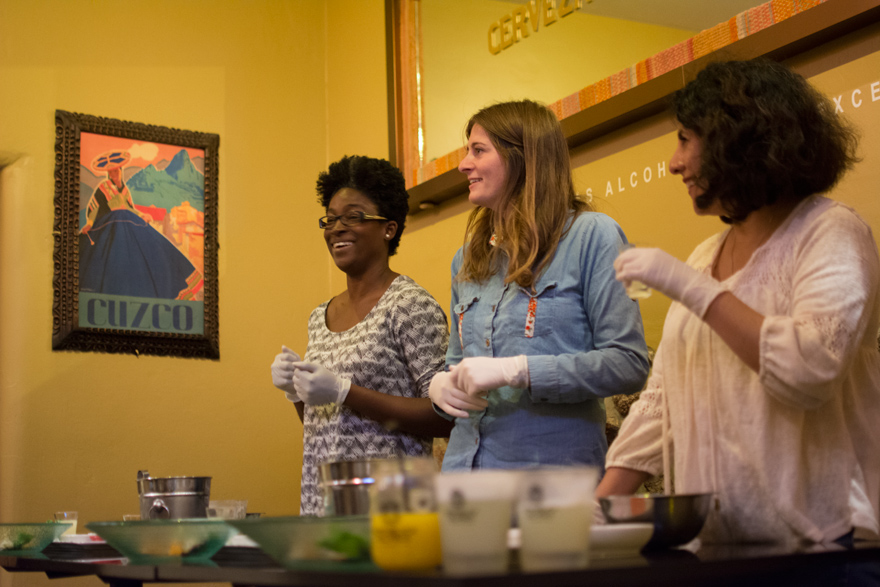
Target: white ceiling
(693, 15)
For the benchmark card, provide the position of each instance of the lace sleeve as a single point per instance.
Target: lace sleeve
(805, 352)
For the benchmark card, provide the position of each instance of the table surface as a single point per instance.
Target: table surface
(709, 565)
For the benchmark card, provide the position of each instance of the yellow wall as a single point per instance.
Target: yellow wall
(289, 86)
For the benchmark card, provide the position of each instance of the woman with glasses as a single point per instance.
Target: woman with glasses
(541, 331)
(361, 389)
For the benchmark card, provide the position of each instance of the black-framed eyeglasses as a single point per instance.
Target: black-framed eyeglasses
(347, 219)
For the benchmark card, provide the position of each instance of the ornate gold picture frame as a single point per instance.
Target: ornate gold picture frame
(135, 230)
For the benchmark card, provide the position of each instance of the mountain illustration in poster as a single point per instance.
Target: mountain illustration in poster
(178, 182)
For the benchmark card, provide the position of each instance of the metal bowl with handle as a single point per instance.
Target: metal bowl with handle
(677, 519)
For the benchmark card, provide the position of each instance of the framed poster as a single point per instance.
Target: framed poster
(135, 238)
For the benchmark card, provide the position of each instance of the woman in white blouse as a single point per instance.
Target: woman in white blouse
(766, 385)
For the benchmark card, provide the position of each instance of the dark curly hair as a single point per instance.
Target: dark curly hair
(377, 179)
(767, 135)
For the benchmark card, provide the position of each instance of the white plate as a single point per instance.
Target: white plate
(89, 538)
(605, 539)
(619, 539)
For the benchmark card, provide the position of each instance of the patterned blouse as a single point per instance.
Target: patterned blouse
(396, 349)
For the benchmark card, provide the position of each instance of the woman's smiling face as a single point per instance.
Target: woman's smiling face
(355, 248)
(485, 170)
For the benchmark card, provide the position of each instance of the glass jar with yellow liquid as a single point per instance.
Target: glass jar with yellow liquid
(404, 527)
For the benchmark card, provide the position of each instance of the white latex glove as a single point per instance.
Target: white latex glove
(316, 385)
(451, 399)
(282, 372)
(661, 271)
(475, 375)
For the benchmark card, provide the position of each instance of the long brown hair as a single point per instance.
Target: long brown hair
(537, 199)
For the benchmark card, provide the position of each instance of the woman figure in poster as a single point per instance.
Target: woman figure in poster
(120, 253)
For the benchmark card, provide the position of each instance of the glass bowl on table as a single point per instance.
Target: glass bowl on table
(29, 539)
(337, 543)
(189, 540)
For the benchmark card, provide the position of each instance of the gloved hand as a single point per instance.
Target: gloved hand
(282, 372)
(451, 399)
(475, 375)
(663, 272)
(316, 385)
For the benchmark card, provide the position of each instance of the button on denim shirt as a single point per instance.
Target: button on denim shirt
(584, 341)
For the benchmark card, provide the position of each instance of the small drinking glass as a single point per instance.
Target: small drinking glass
(555, 513)
(475, 510)
(67, 518)
(404, 525)
(636, 290)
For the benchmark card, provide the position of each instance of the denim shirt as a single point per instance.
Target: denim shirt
(584, 341)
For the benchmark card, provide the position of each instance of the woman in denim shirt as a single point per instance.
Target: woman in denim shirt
(541, 330)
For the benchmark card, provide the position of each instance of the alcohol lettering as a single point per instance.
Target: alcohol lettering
(647, 176)
(850, 99)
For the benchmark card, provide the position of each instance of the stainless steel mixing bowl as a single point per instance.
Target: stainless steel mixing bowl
(677, 519)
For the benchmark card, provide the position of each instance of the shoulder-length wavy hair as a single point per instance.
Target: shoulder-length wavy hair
(536, 201)
(767, 135)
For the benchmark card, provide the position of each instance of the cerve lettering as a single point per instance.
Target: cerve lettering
(513, 27)
(139, 315)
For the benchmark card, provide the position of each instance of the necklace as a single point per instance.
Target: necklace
(770, 226)
(732, 251)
